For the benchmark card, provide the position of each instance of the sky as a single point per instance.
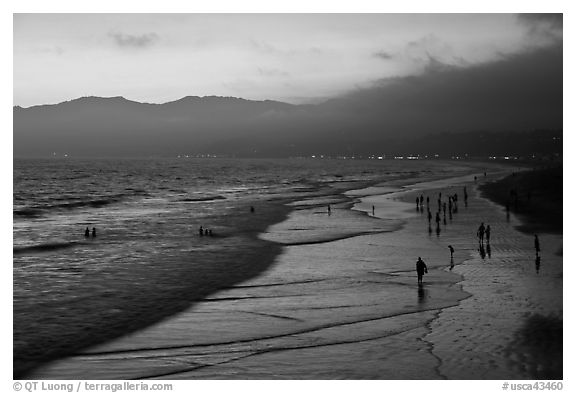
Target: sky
(295, 58)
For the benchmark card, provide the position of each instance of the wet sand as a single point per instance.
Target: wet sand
(345, 303)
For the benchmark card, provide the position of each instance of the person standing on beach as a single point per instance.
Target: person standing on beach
(329, 210)
(480, 233)
(87, 232)
(93, 232)
(421, 268)
(537, 244)
(373, 209)
(451, 251)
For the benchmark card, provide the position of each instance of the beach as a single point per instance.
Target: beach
(341, 300)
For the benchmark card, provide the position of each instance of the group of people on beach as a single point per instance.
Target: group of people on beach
(205, 231)
(87, 232)
(450, 207)
(483, 232)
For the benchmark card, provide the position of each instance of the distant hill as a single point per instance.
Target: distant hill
(426, 114)
(117, 127)
(94, 126)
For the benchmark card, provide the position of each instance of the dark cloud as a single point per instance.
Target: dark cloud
(383, 55)
(553, 21)
(517, 92)
(134, 41)
(544, 28)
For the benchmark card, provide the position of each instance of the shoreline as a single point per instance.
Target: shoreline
(139, 316)
(334, 192)
(257, 256)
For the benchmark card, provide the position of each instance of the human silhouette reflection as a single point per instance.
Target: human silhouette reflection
(429, 230)
(451, 263)
(488, 250)
(438, 230)
(537, 263)
(422, 295)
(482, 251)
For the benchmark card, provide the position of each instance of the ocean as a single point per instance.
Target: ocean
(147, 260)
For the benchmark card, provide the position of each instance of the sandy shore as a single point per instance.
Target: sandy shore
(351, 308)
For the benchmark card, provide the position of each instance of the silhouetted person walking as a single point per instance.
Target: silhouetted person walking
(480, 233)
(87, 232)
(329, 210)
(93, 232)
(421, 268)
(537, 244)
(451, 251)
(373, 210)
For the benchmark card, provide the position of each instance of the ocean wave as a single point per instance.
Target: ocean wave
(44, 247)
(202, 198)
(74, 203)
(28, 212)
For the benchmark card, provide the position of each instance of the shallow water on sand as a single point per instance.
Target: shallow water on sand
(147, 261)
(341, 301)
